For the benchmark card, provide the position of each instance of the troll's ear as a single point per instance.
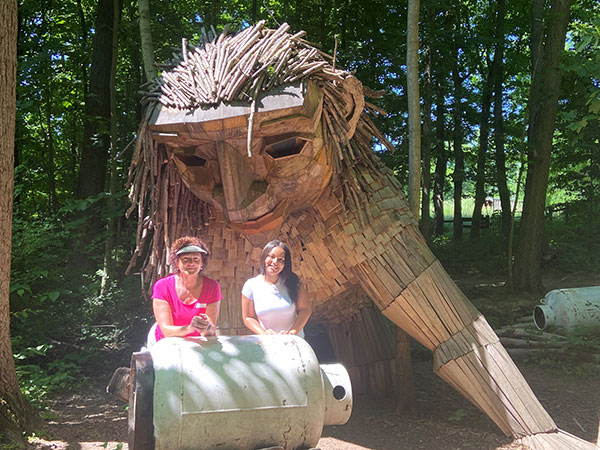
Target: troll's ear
(355, 102)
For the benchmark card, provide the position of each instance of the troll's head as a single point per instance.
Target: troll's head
(255, 125)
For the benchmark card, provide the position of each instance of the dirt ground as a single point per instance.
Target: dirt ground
(90, 419)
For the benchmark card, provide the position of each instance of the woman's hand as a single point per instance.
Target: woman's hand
(303, 311)
(269, 331)
(200, 323)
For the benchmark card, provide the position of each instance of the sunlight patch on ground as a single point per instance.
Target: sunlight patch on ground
(103, 446)
(329, 443)
(498, 284)
(43, 444)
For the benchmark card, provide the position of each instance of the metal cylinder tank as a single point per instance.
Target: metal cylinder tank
(573, 310)
(235, 392)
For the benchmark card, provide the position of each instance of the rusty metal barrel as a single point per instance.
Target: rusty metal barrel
(234, 392)
(573, 310)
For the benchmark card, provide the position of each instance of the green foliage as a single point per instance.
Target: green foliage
(457, 416)
(60, 319)
(9, 446)
(37, 382)
(485, 255)
(573, 240)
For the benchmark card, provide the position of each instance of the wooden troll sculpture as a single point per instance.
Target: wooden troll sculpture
(257, 135)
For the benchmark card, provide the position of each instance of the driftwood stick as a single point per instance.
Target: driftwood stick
(184, 49)
(250, 126)
(204, 35)
(374, 108)
(524, 343)
(335, 44)
(314, 67)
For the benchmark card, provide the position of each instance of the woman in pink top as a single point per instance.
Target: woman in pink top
(186, 303)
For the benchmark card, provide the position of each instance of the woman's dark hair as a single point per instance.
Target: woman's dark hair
(184, 241)
(289, 279)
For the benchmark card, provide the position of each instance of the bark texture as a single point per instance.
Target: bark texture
(16, 415)
(484, 131)
(426, 150)
(146, 39)
(414, 110)
(459, 159)
(439, 176)
(500, 157)
(543, 104)
(96, 133)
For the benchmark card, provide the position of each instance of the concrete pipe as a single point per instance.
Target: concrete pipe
(234, 392)
(574, 310)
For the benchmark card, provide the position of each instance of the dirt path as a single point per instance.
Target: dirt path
(91, 419)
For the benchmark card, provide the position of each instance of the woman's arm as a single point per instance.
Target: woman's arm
(303, 311)
(164, 318)
(250, 319)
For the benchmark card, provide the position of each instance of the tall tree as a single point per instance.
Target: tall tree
(543, 106)
(500, 157)
(414, 111)
(458, 175)
(426, 147)
(114, 179)
(16, 415)
(146, 39)
(96, 133)
(484, 131)
(439, 176)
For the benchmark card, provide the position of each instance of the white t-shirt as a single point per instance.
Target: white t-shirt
(274, 308)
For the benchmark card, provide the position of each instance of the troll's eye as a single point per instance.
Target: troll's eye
(286, 147)
(191, 160)
(186, 155)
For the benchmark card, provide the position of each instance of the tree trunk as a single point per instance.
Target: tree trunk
(114, 179)
(500, 157)
(484, 131)
(459, 161)
(84, 51)
(16, 415)
(146, 40)
(50, 149)
(426, 150)
(96, 132)
(414, 113)
(537, 36)
(136, 63)
(543, 104)
(45, 118)
(75, 142)
(439, 177)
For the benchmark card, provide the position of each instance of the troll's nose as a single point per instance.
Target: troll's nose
(240, 188)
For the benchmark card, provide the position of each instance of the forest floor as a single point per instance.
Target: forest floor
(90, 419)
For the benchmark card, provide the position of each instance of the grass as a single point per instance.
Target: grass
(573, 243)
